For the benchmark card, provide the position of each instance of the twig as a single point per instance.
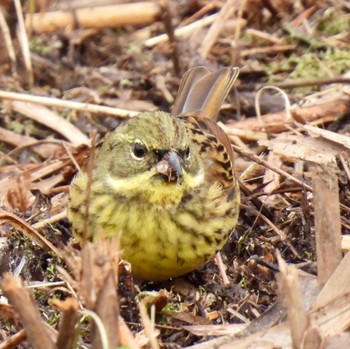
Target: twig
(107, 308)
(257, 103)
(182, 32)
(100, 328)
(22, 141)
(28, 313)
(290, 293)
(28, 230)
(96, 17)
(214, 31)
(264, 36)
(209, 7)
(250, 155)
(238, 29)
(169, 29)
(98, 286)
(148, 325)
(7, 38)
(126, 337)
(337, 285)
(23, 39)
(312, 82)
(53, 219)
(50, 119)
(345, 165)
(56, 102)
(267, 50)
(303, 16)
(67, 335)
(276, 122)
(221, 266)
(279, 232)
(14, 341)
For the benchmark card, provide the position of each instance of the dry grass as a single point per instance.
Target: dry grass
(58, 89)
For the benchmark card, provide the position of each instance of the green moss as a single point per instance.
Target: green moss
(201, 290)
(321, 65)
(243, 283)
(134, 48)
(54, 319)
(16, 127)
(311, 65)
(173, 308)
(51, 272)
(332, 23)
(298, 37)
(38, 46)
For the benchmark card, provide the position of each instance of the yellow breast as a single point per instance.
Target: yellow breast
(161, 234)
(163, 242)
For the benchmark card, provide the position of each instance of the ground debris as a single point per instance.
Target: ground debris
(58, 91)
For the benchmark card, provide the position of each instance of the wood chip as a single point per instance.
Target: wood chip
(327, 221)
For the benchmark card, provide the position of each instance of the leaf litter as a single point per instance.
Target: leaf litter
(294, 174)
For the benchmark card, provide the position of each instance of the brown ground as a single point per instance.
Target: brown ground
(302, 47)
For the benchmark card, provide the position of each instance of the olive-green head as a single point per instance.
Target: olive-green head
(153, 143)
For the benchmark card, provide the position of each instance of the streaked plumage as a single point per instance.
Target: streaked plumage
(165, 183)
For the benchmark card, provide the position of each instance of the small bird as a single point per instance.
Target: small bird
(164, 183)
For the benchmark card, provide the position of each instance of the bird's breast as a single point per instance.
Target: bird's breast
(162, 242)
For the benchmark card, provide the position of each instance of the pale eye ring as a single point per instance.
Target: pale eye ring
(139, 150)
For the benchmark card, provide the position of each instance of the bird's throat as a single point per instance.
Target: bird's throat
(153, 190)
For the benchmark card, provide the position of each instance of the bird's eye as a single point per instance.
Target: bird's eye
(187, 152)
(139, 150)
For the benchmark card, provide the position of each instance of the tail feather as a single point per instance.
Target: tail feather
(202, 92)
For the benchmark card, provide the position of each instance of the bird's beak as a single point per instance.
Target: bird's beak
(170, 166)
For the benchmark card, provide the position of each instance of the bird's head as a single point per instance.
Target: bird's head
(151, 156)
